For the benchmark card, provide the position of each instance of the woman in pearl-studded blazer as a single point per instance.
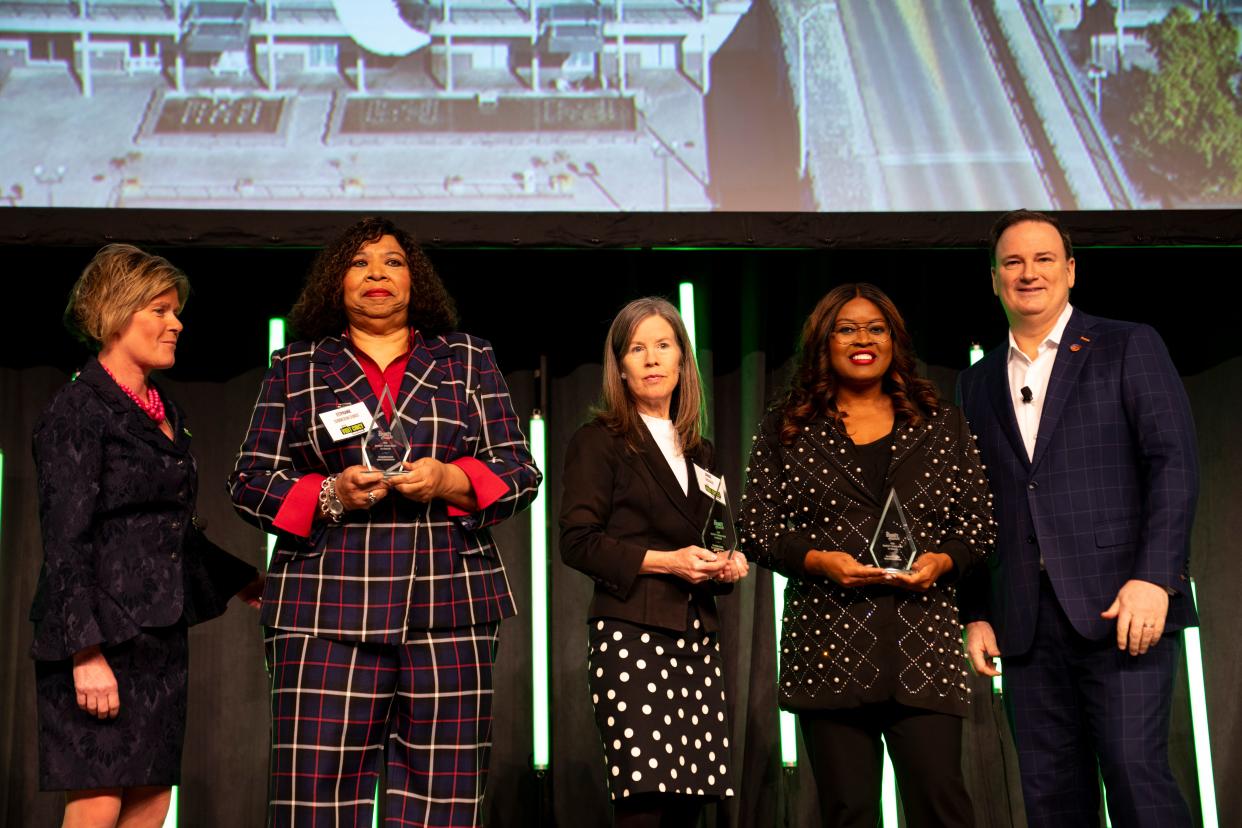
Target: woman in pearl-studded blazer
(867, 652)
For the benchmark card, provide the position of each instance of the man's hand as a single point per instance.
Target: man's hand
(1140, 609)
(981, 648)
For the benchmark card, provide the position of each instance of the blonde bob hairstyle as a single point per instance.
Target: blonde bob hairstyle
(118, 283)
(616, 409)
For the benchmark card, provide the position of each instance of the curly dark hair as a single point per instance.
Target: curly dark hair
(813, 388)
(320, 309)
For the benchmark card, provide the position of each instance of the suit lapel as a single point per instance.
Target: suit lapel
(343, 374)
(699, 502)
(128, 414)
(996, 380)
(906, 439)
(659, 469)
(423, 374)
(1072, 354)
(837, 448)
(180, 426)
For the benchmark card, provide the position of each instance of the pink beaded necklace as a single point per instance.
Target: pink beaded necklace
(152, 406)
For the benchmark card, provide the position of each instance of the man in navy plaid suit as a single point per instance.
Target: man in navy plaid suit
(1086, 432)
(384, 594)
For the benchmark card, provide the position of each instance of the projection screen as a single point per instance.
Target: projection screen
(603, 107)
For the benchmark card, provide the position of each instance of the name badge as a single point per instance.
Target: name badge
(710, 484)
(346, 421)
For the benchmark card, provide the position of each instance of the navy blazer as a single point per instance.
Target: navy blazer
(1110, 492)
(116, 508)
(618, 503)
(401, 565)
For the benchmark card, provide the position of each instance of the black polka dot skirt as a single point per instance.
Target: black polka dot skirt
(660, 708)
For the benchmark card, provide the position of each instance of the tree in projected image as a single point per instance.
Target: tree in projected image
(1186, 119)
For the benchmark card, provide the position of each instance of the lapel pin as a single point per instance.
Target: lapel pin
(1075, 347)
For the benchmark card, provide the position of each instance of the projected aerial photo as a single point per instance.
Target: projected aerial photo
(620, 105)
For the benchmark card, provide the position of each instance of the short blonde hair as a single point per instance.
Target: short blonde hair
(117, 283)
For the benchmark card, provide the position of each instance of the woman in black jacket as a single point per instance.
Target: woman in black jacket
(633, 515)
(125, 568)
(866, 651)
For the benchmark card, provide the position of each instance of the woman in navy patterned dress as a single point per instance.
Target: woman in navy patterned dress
(125, 567)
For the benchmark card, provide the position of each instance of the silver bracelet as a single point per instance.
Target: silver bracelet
(330, 505)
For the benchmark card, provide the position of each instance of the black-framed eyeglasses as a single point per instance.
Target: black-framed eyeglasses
(846, 334)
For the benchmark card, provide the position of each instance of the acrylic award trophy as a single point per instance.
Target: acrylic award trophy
(892, 548)
(385, 448)
(719, 534)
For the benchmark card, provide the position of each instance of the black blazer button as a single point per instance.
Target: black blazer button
(1032, 485)
(173, 556)
(1030, 538)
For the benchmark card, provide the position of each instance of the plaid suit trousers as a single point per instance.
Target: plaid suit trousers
(336, 703)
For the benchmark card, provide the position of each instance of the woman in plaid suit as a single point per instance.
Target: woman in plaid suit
(384, 592)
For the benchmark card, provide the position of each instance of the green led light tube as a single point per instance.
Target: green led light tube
(275, 336)
(539, 602)
(1199, 719)
(686, 306)
(888, 791)
(788, 725)
(275, 341)
(170, 819)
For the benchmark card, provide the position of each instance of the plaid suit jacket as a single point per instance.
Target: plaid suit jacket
(1110, 492)
(401, 565)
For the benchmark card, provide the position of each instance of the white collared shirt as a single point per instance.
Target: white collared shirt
(1033, 374)
(666, 438)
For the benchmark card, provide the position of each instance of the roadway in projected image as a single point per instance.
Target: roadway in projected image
(951, 105)
(943, 127)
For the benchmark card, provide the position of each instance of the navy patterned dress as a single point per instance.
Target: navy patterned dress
(125, 568)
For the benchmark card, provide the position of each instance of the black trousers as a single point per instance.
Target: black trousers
(847, 759)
